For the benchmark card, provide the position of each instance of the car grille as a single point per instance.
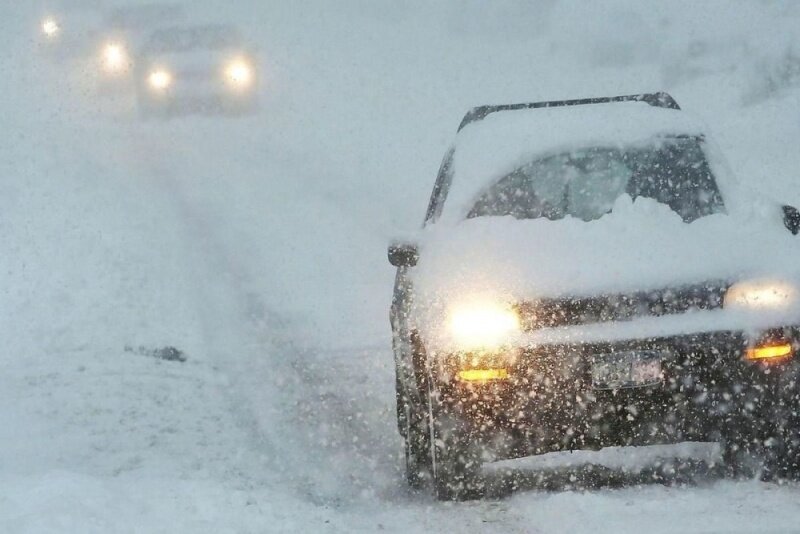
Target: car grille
(571, 311)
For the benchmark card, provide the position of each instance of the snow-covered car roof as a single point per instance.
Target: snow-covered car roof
(487, 150)
(150, 15)
(187, 38)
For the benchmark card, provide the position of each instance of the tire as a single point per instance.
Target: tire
(772, 453)
(456, 459)
(417, 451)
(742, 441)
(784, 457)
(413, 426)
(782, 453)
(740, 460)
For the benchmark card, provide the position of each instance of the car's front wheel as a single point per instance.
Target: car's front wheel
(782, 450)
(412, 422)
(768, 446)
(455, 454)
(739, 458)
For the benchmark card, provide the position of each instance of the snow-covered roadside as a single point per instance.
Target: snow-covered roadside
(123, 442)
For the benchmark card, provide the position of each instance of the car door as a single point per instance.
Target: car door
(408, 351)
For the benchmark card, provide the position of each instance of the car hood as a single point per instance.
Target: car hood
(640, 245)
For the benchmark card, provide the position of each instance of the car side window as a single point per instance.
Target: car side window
(440, 187)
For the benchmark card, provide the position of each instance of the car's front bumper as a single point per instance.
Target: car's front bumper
(548, 401)
(200, 97)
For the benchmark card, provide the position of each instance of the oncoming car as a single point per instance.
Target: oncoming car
(119, 37)
(196, 69)
(590, 273)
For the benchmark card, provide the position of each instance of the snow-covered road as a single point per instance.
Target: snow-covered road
(257, 246)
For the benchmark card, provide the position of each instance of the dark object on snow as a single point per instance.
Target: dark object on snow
(168, 353)
(791, 218)
(171, 354)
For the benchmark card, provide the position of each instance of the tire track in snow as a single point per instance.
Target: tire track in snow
(313, 411)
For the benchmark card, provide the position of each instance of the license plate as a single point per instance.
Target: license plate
(628, 369)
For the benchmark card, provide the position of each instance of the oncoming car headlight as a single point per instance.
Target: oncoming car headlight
(761, 295)
(114, 58)
(482, 325)
(50, 27)
(159, 79)
(239, 73)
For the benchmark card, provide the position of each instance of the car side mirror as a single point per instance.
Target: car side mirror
(791, 219)
(403, 254)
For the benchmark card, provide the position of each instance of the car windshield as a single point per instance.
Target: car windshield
(585, 183)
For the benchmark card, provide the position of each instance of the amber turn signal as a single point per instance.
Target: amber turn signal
(769, 352)
(482, 375)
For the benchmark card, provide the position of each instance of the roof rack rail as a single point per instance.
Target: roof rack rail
(659, 100)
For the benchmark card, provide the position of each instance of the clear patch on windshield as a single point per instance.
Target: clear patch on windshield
(586, 183)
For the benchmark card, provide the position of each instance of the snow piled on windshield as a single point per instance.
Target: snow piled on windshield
(505, 140)
(640, 245)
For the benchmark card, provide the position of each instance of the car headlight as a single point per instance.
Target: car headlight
(761, 294)
(160, 79)
(115, 58)
(50, 27)
(239, 73)
(482, 325)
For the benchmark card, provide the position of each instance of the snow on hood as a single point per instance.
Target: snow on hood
(503, 141)
(640, 245)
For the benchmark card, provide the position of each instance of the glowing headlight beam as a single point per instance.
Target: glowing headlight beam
(50, 27)
(160, 79)
(760, 294)
(239, 73)
(483, 325)
(114, 58)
